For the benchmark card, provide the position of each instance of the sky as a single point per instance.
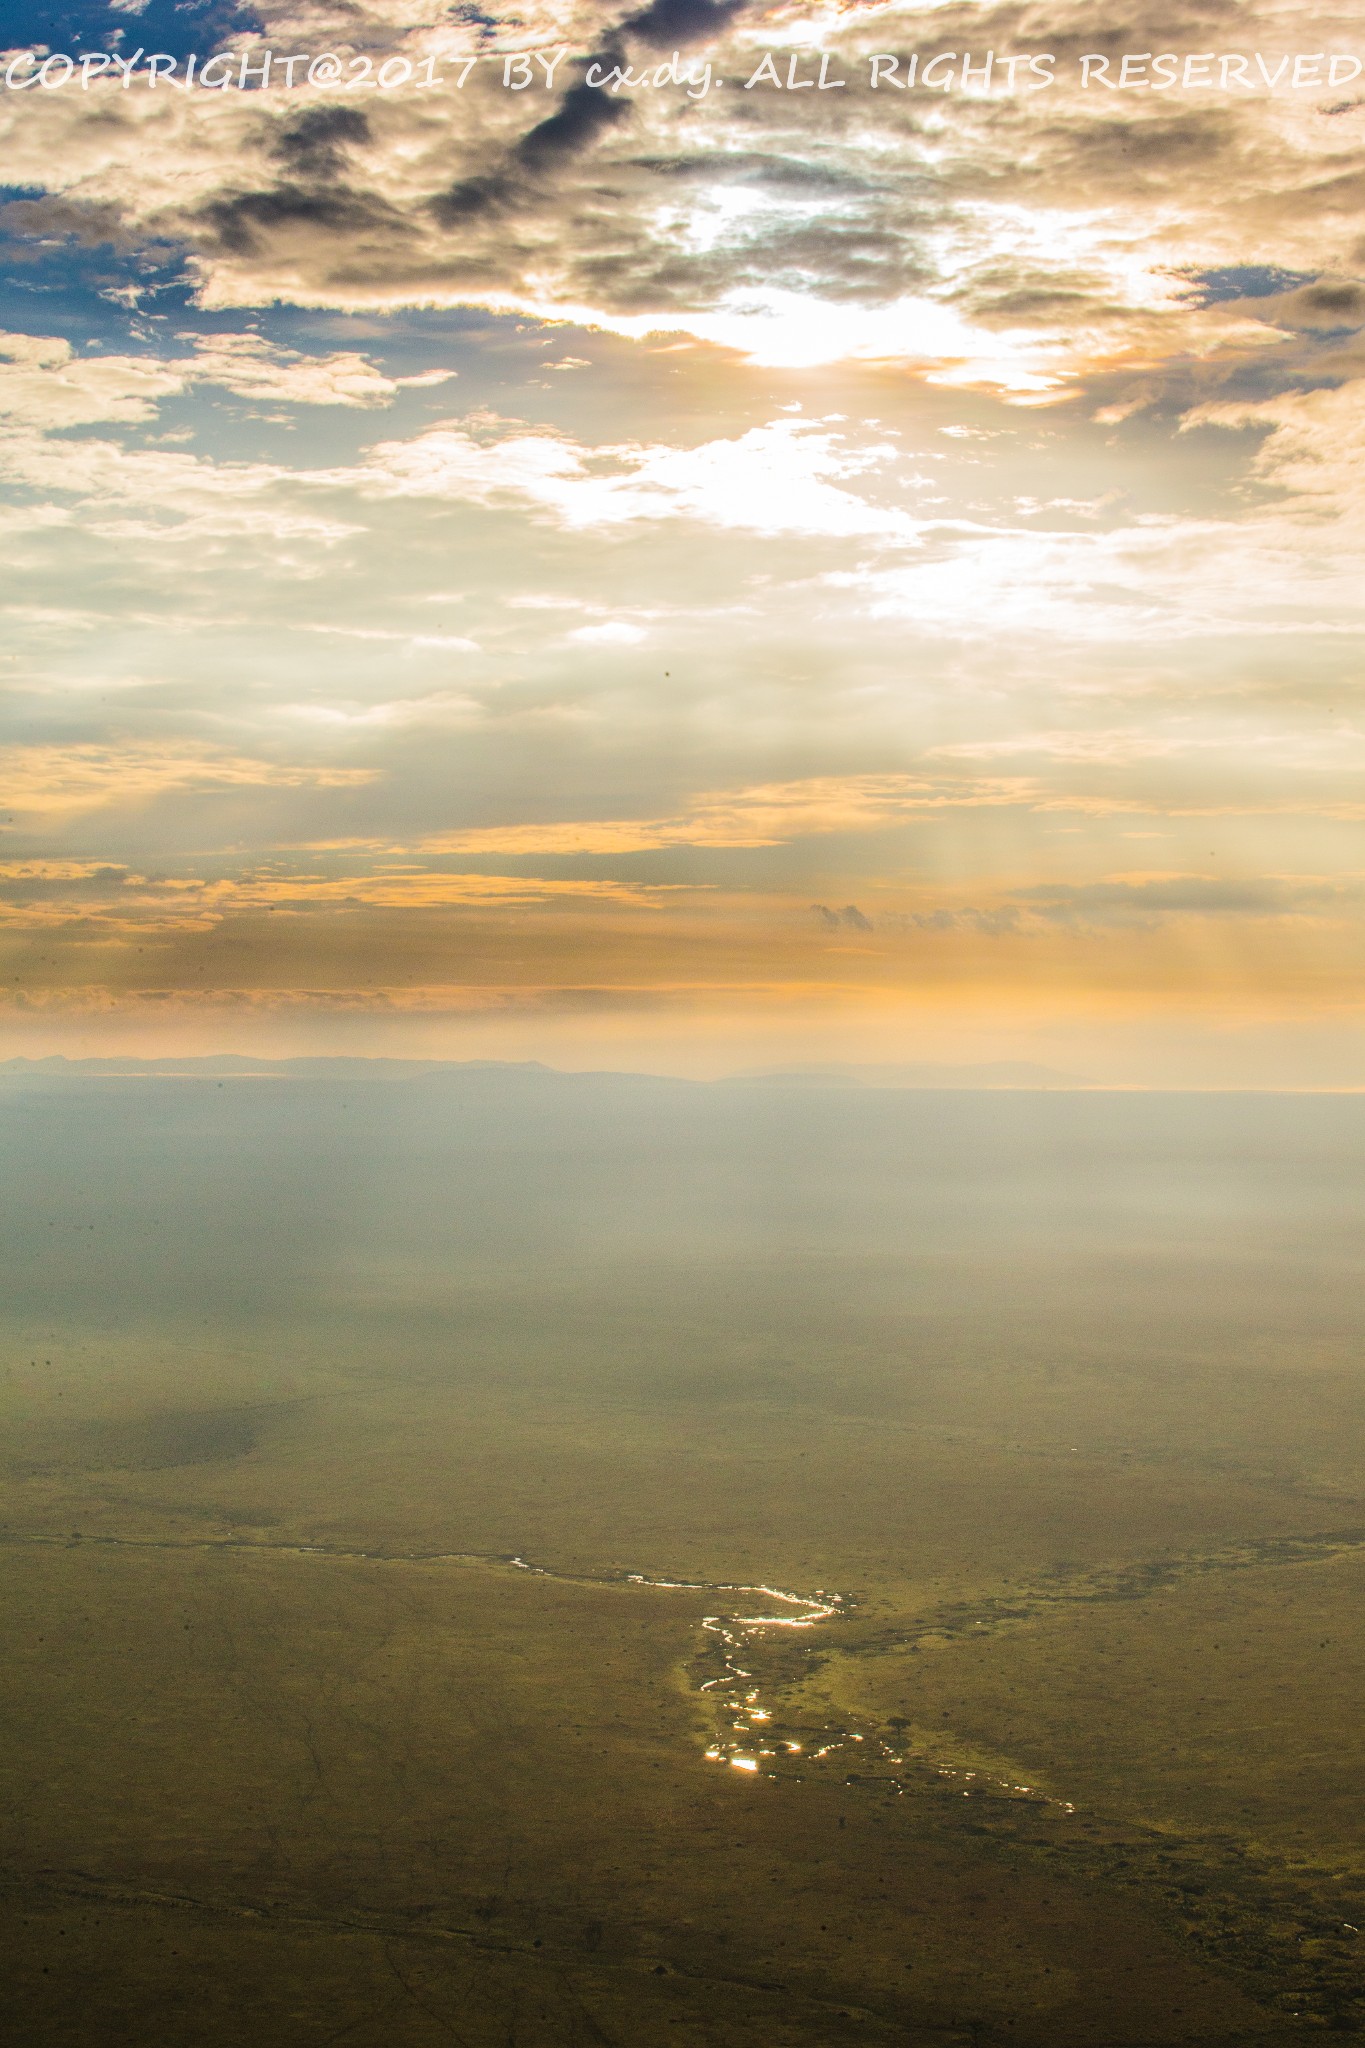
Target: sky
(681, 572)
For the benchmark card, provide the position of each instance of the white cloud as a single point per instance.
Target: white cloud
(611, 633)
(796, 330)
(1314, 450)
(788, 477)
(783, 478)
(249, 367)
(47, 385)
(159, 494)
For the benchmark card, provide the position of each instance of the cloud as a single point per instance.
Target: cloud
(683, 596)
(249, 367)
(1000, 921)
(52, 781)
(850, 918)
(611, 633)
(17, 876)
(1157, 899)
(765, 814)
(1313, 451)
(115, 899)
(437, 999)
(412, 890)
(157, 494)
(1287, 568)
(1025, 242)
(786, 477)
(1119, 903)
(47, 386)
(667, 22)
(317, 144)
(783, 478)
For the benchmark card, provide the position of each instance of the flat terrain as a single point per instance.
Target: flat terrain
(348, 1421)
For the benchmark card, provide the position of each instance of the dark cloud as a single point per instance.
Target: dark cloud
(996, 303)
(853, 201)
(1165, 147)
(89, 226)
(990, 924)
(857, 263)
(584, 115)
(849, 919)
(315, 146)
(472, 198)
(1329, 303)
(1151, 902)
(666, 23)
(238, 219)
(1341, 195)
(581, 117)
(37, 888)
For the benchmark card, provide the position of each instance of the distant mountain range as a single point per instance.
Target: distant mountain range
(57, 1064)
(991, 1074)
(987, 1074)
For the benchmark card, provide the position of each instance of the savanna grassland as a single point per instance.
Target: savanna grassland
(353, 1419)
